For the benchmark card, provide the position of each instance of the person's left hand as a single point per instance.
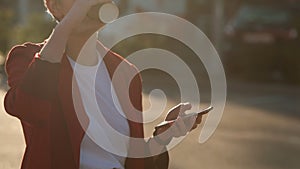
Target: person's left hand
(176, 126)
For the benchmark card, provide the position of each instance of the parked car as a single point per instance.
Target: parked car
(261, 24)
(259, 42)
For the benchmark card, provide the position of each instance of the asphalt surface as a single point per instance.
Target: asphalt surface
(260, 129)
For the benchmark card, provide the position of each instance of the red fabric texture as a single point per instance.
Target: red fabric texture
(41, 96)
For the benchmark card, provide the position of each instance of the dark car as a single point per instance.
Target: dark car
(261, 24)
(262, 43)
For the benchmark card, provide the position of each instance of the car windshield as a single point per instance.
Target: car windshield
(264, 16)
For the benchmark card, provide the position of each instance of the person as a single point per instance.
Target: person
(44, 96)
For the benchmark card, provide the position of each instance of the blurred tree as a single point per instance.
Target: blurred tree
(6, 17)
(36, 29)
(14, 30)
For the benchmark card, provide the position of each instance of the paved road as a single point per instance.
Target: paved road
(260, 129)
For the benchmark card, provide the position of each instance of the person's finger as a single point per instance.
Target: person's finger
(192, 122)
(185, 125)
(207, 110)
(177, 110)
(100, 1)
(95, 3)
(175, 131)
(181, 127)
(199, 119)
(194, 127)
(184, 107)
(106, 1)
(162, 127)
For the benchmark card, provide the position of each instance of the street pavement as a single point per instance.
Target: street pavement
(260, 129)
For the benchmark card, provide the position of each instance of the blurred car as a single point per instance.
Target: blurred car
(261, 24)
(261, 42)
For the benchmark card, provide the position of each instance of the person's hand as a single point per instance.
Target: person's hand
(80, 11)
(74, 20)
(176, 126)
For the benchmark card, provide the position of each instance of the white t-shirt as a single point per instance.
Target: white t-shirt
(95, 88)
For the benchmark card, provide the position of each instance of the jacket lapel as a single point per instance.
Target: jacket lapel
(70, 99)
(77, 121)
(120, 72)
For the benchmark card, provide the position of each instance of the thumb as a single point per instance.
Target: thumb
(178, 110)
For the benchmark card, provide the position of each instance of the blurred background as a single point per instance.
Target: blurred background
(259, 44)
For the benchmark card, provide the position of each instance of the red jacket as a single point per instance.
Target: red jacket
(40, 95)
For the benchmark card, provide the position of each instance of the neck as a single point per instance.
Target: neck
(82, 48)
(81, 44)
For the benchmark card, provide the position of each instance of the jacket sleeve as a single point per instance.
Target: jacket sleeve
(33, 84)
(160, 161)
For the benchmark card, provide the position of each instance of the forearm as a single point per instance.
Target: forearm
(154, 146)
(157, 153)
(159, 157)
(55, 46)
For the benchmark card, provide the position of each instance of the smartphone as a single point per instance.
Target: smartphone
(202, 112)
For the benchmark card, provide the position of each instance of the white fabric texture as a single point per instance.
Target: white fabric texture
(94, 82)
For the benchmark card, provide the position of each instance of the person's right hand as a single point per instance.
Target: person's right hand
(176, 125)
(78, 13)
(73, 22)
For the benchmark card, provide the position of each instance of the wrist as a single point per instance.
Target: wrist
(64, 28)
(54, 47)
(154, 147)
(161, 138)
